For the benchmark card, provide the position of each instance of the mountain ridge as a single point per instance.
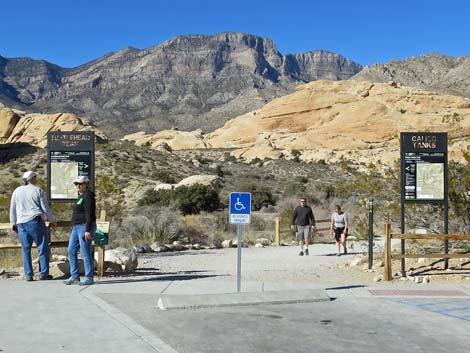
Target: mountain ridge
(188, 82)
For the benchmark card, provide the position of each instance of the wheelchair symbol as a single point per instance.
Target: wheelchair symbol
(238, 205)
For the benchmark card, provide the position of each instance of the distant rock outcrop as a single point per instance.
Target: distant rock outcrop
(189, 82)
(19, 127)
(207, 180)
(433, 72)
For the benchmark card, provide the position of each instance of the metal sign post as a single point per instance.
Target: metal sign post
(240, 213)
(371, 233)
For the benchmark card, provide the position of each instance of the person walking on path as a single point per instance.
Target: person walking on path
(302, 221)
(339, 226)
(84, 226)
(27, 207)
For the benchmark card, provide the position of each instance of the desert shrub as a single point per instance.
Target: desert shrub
(163, 175)
(150, 224)
(4, 209)
(188, 199)
(459, 194)
(296, 154)
(261, 196)
(229, 158)
(294, 189)
(258, 223)
(109, 196)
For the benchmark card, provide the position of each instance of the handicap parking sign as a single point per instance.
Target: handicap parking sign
(240, 208)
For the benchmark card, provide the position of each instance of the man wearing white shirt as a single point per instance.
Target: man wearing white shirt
(28, 204)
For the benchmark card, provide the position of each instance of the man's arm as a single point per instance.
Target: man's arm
(13, 216)
(294, 216)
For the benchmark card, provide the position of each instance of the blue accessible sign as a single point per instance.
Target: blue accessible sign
(240, 208)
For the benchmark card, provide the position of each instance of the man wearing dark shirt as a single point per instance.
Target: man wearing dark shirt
(302, 221)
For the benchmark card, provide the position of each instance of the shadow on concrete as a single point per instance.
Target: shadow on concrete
(342, 255)
(347, 287)
(177, 253)
(161, 277)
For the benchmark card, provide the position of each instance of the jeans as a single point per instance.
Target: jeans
(77, 242)
(29, 232)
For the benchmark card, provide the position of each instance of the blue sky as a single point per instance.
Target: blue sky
(70, 33)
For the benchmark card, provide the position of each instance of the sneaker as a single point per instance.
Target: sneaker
(306, 252)
(71, 280)
(29, 278)
(45, 277)
(338, 254)
(86, 282)
(301, 253)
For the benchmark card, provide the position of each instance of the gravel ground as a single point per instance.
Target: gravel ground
(257, 264)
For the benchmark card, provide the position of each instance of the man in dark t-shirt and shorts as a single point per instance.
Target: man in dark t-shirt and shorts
(302, 221)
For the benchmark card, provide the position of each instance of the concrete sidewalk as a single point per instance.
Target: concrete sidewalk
(122, 315)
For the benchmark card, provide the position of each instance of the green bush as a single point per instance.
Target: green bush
(188, 199)
(261, 196)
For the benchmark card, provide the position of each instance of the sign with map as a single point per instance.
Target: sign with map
(424, 167)
(70, 154)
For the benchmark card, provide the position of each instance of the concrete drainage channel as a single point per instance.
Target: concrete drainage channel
(175, 302)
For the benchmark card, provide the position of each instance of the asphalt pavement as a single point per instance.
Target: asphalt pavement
(123, 316)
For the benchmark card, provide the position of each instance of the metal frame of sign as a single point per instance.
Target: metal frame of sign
(415, 148)
(62, 143)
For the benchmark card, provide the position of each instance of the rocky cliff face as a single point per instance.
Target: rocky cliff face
(445, 74)
(187, 82)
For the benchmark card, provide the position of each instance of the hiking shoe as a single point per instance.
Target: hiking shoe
(86, 282)
(306, 252)
(71, 280)
(301, 253)
(28, 278)
(45, 277)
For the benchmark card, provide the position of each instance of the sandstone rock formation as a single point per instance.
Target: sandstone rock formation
(359, 121)
(190, 82)
(330, 120)
(19, 127)
(174, 139)
(208, 180)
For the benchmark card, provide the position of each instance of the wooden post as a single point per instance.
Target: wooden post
(277, 230)
(100, 270)
(388, 253)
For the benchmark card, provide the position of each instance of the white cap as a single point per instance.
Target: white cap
(27, 176)
(81, 179)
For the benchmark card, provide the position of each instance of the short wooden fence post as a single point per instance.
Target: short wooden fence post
(101, 248)
(388, 253)
(277, 231)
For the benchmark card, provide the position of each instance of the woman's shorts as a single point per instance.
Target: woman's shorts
(338, 232)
